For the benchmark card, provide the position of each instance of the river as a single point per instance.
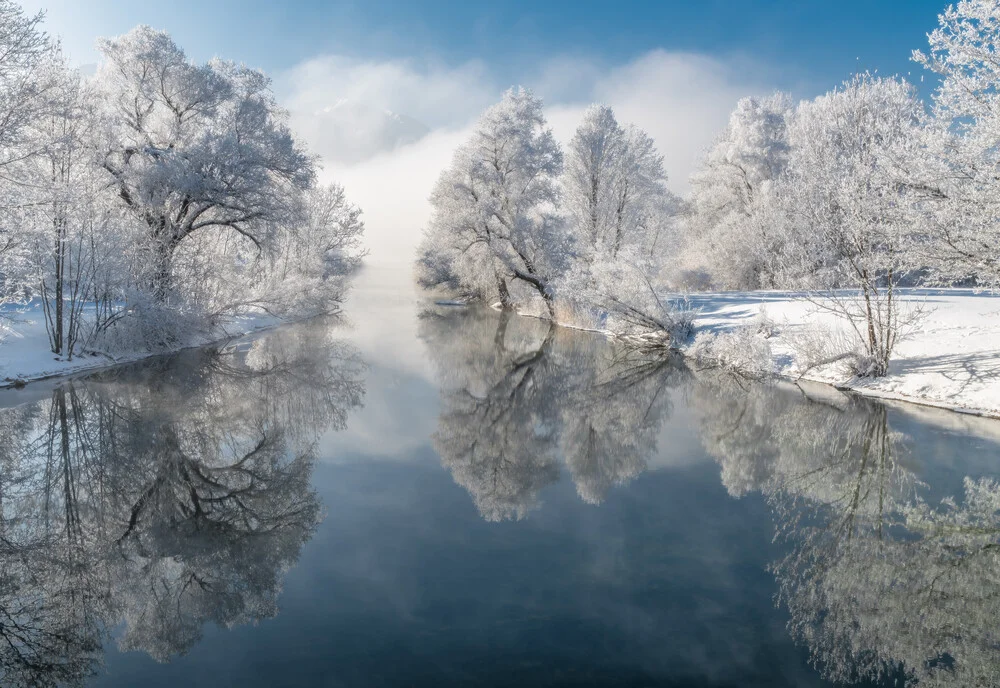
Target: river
(422, 495)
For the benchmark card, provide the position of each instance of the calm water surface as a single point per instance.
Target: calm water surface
(447, 497)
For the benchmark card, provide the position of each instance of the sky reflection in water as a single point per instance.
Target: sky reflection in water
(523, 506)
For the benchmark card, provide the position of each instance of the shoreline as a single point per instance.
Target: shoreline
(17, 384)
(717, 320)
(720, 321)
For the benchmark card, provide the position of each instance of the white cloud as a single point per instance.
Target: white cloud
(430, 92)
(392, 189)
(683, 100)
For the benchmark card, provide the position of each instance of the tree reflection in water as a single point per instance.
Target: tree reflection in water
(518, 395)
(881, 582)
(165, 495)
(158, 498)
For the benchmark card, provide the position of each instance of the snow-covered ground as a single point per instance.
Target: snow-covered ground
(951, 358)
(25, 354)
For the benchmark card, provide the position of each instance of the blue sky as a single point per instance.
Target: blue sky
(675, 69)
(813, 42)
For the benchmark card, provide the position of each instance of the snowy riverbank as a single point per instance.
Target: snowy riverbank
(25, 355)
(950, 359)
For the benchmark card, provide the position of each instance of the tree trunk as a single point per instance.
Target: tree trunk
(505, 299)
(60, 269)
(162, 274)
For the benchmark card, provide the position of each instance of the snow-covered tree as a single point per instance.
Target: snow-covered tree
(960, 185)
(25, 83)
(310, 256)
(195, 149)
(639, 193)
(614, 183)
(731, 194)
(74, 233)
(592, 162)
(493, 227)
(846, 200)
(620, 210)
(314, 256)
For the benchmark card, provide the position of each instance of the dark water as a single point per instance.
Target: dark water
(471, 500)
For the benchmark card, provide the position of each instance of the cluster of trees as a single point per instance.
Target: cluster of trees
(157, 197)
(519, 221)
(862, 189)
(161, 498)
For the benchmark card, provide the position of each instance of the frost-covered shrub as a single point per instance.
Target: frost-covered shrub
(147, 326)
(623, 297)
(692, 279)
(842, 351)
(742, 350)
(763, 325)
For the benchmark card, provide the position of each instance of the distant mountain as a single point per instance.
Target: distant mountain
(349, 131)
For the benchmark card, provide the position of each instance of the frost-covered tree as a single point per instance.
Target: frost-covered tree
(620, 210)
(62, 133)
(847, 205)
(316, 255)
(614, 183)
(195, 149)
(310, 256)
(592, 161)
(493, 233)
(25, 84)
(639, 193)
(731, 194)
(74, 233)
(960, 185)
(142, 208)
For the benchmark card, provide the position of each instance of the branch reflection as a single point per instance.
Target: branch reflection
(520, 396)
(166, 495)
(882, 581)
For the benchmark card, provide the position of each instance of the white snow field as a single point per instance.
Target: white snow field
(949, 359)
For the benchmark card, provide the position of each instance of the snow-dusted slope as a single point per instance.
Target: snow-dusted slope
(950, 359)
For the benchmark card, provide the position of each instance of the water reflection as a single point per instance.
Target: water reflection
(884, 580)
(165, 496)
(887, 578)
(519, 396)
(141, 505)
